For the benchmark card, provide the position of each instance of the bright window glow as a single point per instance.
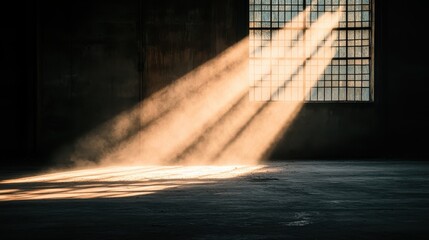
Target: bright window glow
(275, 28)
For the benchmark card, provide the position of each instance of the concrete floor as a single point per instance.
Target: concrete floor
(288, 200)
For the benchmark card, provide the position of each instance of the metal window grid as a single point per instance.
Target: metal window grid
(348, 76)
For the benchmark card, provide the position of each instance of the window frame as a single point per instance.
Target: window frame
(370, 58)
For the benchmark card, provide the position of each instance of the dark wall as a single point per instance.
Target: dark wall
(178, 36)
(71, 65)
(18, 80)
(88, 68)
(406, 75)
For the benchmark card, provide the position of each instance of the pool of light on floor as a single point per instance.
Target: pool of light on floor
(116, 182)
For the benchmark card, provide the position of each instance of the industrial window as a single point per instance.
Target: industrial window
(277, 30)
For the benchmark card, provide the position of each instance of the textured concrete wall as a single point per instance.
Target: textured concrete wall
(405, 78)
(17, 80)
(178, 36)
(88, 67)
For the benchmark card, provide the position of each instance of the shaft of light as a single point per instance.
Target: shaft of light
(203, 116)
(253, 128)
(260, 135)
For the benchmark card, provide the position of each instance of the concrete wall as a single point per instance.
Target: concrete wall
(405, 78)
(71, 65)
(178, 36)
(88, 68)
(18, 80)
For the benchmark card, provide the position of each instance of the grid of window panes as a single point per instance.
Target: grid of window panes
(346, 78)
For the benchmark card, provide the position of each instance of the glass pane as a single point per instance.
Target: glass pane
(288, 61)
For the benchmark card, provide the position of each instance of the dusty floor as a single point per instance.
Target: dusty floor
(288, 200)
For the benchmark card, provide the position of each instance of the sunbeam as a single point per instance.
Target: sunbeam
(206, 117)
